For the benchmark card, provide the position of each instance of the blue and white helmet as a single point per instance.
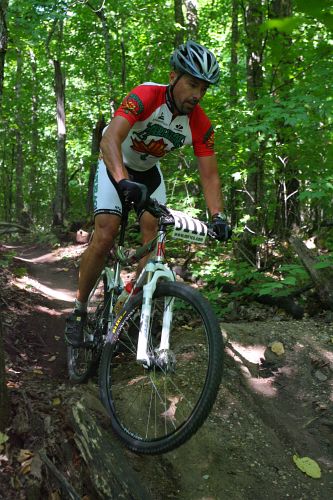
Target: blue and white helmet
(194, 59)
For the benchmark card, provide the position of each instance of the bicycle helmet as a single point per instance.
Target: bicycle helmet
(194, 59)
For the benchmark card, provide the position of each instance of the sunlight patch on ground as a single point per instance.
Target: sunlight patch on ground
(245, 356)
(46, 258)
(262, 386)
(25, 283)
(47, 310)
(252, 353)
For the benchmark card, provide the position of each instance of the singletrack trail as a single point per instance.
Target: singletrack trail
(268, 409)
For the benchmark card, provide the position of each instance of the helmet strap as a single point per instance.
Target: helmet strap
(171, 99)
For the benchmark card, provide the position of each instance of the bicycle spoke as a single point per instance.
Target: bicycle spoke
(165, 399)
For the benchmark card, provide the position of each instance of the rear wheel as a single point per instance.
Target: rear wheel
(157, 409)
(82, 361)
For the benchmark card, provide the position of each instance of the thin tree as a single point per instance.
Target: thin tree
(180, 22)
(192, 18)
(3, 42)
(233, 92)
(61, 198)
(19, 160)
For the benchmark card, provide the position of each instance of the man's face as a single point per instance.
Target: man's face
(188, 91)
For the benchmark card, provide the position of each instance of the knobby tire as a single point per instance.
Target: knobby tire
(154, 411)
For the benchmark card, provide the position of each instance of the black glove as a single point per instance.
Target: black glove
(133, 192)
(220, 227)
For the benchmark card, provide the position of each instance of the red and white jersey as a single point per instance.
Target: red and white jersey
(155, 132)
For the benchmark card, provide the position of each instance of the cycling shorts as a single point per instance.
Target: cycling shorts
(106, 196)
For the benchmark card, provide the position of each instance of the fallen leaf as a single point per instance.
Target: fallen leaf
(52, 358)
(3, 438)
(56, 401)
(277, 348)
(37, 372)
(26, 467)
(308, 466)
(57, 338)
(24, 455)
(36, 467)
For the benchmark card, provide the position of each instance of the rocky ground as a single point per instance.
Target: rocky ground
(270, 408)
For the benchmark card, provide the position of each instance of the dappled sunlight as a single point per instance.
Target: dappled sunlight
(327, 355)
(262, 386)
(252, 353)
(25, 283)
(248, 358)
(46, 258)
(47, 310)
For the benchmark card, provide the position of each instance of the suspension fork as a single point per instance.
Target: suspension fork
(154, 271)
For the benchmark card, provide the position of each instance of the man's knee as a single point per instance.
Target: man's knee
(106, 229)
(148, 226)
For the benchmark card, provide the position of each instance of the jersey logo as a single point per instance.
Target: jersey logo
(161, 117)
(132, 104)
(155, 129)
(209, 138)
(154, 148)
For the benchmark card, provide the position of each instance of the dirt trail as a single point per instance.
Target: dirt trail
(269, 407)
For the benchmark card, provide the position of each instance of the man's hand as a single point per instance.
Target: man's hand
(220, 227)
(133, 192)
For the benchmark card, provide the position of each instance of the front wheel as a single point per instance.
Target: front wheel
(157, 409)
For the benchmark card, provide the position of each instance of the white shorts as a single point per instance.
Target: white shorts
(106, 197)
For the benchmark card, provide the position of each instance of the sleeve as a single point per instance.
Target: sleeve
(202, 133)
(137, 105)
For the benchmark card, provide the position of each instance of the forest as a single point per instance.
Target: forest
(66, 65)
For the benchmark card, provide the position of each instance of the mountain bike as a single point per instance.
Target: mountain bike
(161, 355)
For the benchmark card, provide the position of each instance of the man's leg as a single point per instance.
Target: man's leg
(93, 259)
(92, 263)
(148, 228)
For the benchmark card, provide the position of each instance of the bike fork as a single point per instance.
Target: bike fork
(155, 271)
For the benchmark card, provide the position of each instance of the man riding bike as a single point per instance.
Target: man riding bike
(152, 120)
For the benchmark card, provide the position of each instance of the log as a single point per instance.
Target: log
(12, 227)
(111, 474)
(322, 278)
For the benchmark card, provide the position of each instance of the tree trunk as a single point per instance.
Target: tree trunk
(19, 161)
(322, 278)
(288, 206)
(254, 19)
(3, 43)
(107, 45)
(60, 201)
(34, 167)
(233, 91)
(192, 18)
(180, 22)
(96, 139)
(123, 55)
(4, 398)
(254, 190)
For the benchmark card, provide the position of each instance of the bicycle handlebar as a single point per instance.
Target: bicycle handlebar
(162, 213)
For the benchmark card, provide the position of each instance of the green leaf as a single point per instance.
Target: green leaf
(308, 466)
(3, 438)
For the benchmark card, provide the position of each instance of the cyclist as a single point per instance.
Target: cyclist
(152, 120)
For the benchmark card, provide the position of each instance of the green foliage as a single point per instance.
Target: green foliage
(6, 258)
(286, 129)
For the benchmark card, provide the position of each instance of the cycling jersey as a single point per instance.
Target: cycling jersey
(154, 132)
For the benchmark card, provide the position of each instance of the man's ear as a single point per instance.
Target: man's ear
(172, 76)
